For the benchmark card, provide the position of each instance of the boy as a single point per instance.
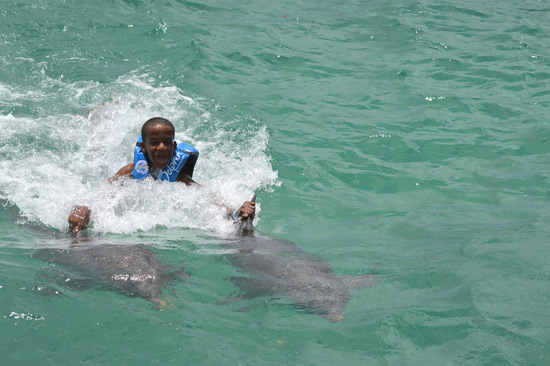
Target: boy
(163, 160)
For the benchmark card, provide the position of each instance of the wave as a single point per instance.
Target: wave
(55, 157)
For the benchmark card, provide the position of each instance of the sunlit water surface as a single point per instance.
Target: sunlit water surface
(409, 139)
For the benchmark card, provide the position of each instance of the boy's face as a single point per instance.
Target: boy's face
(159, 145)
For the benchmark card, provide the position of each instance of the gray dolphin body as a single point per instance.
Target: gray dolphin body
(133, 270)
(280, 267)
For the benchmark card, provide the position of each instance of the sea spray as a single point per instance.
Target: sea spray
(52, 162)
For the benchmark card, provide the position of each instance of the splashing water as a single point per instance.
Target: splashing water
(58, 159)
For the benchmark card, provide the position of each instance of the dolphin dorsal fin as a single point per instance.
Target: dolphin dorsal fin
(245, 226)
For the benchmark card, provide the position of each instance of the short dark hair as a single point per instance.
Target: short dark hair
(153, 122)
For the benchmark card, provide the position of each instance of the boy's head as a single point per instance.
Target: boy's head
(158, 141)
(153, 122)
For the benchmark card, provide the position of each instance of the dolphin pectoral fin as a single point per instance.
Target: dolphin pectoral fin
(253, 287)
(356, 282)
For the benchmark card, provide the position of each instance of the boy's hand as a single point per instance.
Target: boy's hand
(79, 219)
(248, 209)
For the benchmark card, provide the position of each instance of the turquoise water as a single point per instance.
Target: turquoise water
(410, 138)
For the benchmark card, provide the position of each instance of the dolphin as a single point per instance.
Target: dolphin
(133, 270)
(279, 267)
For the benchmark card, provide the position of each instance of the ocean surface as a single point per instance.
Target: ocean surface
(409, 139)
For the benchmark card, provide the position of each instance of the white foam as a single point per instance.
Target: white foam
(63, 157)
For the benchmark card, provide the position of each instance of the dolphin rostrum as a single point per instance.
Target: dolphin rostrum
(280, 267)
(133, 270)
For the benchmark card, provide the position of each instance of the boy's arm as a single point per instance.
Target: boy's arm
(248, 209)
(184, 178)
(79, 218)
(124, 171)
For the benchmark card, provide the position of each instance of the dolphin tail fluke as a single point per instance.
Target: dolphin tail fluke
(356, 282)
(159, 303)
(335, 318)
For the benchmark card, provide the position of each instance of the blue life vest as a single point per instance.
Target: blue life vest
(184, 157)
